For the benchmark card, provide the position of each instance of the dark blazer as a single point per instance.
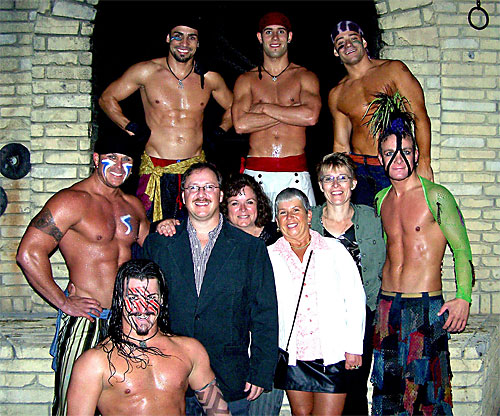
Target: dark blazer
(238, 296)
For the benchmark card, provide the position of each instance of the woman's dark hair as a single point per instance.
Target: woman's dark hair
(132, 353)
(333, 161)
(233, 186)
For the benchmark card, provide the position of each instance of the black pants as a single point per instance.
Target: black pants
(356, 402)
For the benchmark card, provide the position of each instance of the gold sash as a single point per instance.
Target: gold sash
(156, 172)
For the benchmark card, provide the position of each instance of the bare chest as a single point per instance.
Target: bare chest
(407, 217)
(284, 91)
(166, 374)
(356, 94)
(164, 92)
(107, 222)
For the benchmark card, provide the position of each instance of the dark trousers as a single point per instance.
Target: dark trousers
(371, 179)
(356, 402)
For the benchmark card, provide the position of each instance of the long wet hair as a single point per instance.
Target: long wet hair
(132, 353)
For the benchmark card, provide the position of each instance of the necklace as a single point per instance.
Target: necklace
(301, 247)
(275, 77)
(142, 342)
(181, 85)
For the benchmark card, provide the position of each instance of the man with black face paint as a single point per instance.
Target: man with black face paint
(366, 77)
(411, 359)
(174, 91)
(140, 368)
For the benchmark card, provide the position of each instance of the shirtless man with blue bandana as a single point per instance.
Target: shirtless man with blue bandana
(348, 103)
(94, 225)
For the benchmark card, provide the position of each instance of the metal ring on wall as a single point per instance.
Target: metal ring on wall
(485, 13)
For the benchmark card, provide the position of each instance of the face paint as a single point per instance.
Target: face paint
(125, 219)
(138, 302)
(399, 149)
(128, 168)
(106, 164)
(176, 38)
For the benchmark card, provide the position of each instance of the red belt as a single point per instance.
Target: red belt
(365, 159)
(278, 164)
(163, 162)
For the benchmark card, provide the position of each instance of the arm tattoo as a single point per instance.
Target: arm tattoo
(210, 398)
(45, 223)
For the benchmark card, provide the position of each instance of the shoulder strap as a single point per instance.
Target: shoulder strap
(298, 301)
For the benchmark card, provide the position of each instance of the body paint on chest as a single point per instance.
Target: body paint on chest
(126, 220)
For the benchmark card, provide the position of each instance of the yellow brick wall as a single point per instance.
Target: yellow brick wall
(45, 85)
(458, 69)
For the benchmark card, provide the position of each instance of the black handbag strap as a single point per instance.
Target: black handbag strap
(298, 301)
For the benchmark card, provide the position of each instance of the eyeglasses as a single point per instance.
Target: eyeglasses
(209, 188)
(329, 179)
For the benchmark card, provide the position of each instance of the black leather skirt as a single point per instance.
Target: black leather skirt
(315, 377)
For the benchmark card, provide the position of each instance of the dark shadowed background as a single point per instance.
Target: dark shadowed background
(127, 32)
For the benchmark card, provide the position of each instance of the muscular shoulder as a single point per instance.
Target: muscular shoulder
(191, 346)
(335, 94)
(394, 68)
(74, 199)
(134, 202)
(213, 79)
(304, 74)
(94, 358)
(247, 78)
(143, 70)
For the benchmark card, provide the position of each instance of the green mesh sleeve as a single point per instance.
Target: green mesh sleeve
(447, 214)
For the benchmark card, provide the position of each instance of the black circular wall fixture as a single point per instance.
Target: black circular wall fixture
(14, 161)
(481, 11)
(3, 201)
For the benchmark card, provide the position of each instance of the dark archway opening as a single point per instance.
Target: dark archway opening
(127, 32)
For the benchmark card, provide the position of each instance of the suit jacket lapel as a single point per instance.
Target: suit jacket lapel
(183, 258)
(222, 251)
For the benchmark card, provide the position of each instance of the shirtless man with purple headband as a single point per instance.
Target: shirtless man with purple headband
(348, 102)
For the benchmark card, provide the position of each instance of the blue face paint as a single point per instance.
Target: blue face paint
(106, 164)
(128, 168)
(125, 219)
(176, 38)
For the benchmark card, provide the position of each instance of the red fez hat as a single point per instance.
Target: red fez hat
(274, 18)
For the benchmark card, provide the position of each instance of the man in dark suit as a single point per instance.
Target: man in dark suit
(221, 291)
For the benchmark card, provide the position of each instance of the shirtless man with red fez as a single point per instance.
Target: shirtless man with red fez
(141, 369)
(94, 225)
(349, 100)
(175, 91)
(275, 103)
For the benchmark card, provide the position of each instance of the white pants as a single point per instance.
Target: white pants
(274, 182)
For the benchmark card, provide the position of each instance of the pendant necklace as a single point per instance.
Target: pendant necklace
(275, 77)
(181, 85)
(142, 342)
